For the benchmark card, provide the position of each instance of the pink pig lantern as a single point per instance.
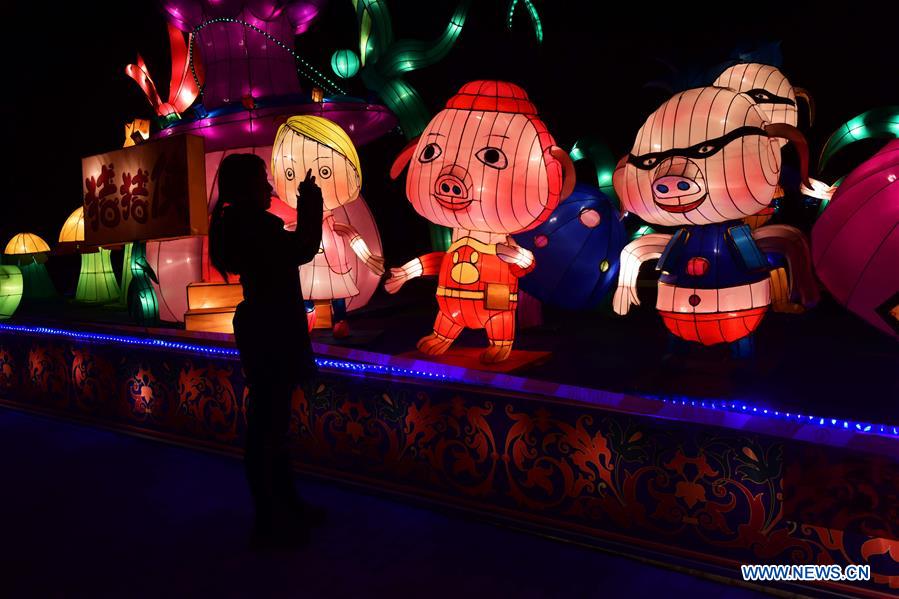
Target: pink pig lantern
(703, 161)
(855, 242)
(487, 167)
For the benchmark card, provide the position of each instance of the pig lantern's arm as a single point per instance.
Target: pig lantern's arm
(520, 260)
(633, 256)
(360, 248)
(792, 244)
(423, 266)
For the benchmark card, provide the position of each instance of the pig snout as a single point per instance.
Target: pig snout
(673, 186)
(452, 185)
(678, 185)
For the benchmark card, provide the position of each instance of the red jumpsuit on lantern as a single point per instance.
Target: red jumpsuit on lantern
(487, 167)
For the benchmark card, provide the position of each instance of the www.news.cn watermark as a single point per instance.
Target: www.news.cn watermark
(805, 573)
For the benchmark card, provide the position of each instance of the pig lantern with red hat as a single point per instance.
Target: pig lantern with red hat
(487, 167)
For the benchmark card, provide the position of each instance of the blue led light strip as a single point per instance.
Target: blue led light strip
(364, 368)
(220, 352)
(750, 410)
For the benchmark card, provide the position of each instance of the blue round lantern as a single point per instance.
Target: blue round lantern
(576, 251)
(345, 63)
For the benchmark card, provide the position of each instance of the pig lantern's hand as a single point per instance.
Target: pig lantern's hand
(376, 263)
(396, 280)
(514, 254)
(399, 276)
(625, 297)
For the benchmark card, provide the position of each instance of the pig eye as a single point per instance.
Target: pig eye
(492, 157)
(648, 161)
(289, 174)
(430, 152)
(324, 172)
(706, 149)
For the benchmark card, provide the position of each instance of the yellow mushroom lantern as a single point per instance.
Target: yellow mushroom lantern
(30, 252)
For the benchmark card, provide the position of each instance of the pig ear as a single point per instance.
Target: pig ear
(403, 159)
(569, 177)
(792, 134)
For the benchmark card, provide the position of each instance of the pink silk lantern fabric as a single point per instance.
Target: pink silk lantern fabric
(177, 263)
(855, 242)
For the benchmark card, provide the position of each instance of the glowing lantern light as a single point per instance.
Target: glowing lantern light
(855, 242)
(177, 263)
(487, 167)
(96, 281)
(311, 142)
(11, 287)
(72, 231)
(142, 302)
(26, 244)
(187, 78)
(701, 162)
(30, 251)
(775, 98)
(345, 63)
(877, 123)
(137, 131)
(576, 251)
(769, 88)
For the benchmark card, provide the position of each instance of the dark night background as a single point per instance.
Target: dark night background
(67, 95)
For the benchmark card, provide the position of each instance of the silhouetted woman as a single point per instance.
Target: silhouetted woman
(270, 325)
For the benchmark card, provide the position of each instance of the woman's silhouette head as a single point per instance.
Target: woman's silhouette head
(242, 183)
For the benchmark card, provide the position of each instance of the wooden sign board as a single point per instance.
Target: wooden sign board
(155, 190)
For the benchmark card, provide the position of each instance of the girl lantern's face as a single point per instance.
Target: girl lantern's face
(483, 171)
(334, 174)
(703, 157)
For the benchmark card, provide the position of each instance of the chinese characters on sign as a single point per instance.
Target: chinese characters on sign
(154, 190)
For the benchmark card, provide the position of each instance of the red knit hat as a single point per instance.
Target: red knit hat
(492, 96)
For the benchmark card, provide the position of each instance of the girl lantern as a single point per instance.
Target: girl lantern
(704, 160)
(487, 167)
(311, 142)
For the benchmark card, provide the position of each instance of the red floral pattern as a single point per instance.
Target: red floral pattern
(716, 492)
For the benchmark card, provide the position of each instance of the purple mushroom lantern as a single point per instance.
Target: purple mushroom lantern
(252, 77)
(855, 242)
(245, 45)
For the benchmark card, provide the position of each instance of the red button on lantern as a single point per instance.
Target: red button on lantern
(696, 267)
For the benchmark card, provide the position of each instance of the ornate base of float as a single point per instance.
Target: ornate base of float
(707, 488)
(470, 358)
(356, 338)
